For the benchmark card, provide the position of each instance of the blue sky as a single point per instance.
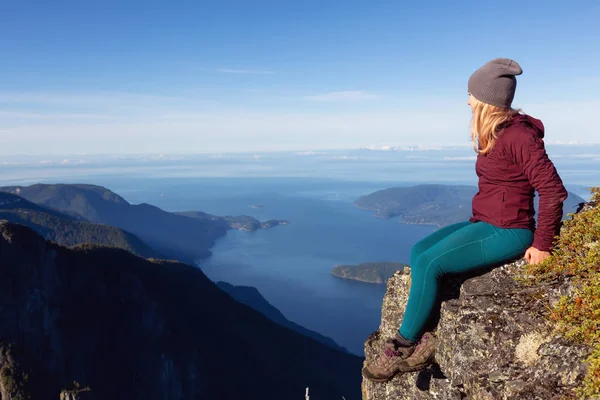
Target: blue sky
(229, 76)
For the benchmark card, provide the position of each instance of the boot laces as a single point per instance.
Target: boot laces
(391, 350)
(422, 342)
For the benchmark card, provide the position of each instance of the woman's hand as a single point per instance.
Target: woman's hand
(534, 256)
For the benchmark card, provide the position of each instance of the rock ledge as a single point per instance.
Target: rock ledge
(493, 342)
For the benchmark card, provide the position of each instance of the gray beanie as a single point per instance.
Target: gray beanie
(495, 82)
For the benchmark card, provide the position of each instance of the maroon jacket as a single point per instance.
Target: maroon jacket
(509, 175)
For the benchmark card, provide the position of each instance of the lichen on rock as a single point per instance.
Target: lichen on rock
(494, 341)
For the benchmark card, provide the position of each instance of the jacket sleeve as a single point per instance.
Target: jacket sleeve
(528, 152)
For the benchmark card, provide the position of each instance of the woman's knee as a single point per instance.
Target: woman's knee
(415, 253)
(426, 264)
(418, 249)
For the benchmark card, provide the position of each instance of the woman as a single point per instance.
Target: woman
(511, 165)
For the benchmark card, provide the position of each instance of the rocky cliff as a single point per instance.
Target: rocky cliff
(494, 341)
(251, 297)
(100, 323)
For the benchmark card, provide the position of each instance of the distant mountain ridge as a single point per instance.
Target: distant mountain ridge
(68, 230)
(76, 199)
(131, 328)
(175, 236)
(9, 201)
(433, 204)
(185, 236)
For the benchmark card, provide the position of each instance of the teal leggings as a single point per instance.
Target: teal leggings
(455, 249)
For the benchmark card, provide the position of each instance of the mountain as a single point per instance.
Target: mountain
(570, 205)
(423, 204)
(175, 236)
(251, 297)
(9, 201)
(372, 272)
(67, 230)
(123, 327)
(581, 190)
(433, 204)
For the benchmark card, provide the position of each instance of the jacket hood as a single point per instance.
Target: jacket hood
(535, 123)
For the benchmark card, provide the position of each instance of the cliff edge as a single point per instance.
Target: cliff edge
(495, 340)
(91, 322)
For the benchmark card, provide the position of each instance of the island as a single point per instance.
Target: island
(240, 222)
(273, 222)
(438, 205)
(371, 272)
(434, 204)
(251, 224)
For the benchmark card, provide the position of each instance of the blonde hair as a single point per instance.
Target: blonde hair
(485, 124)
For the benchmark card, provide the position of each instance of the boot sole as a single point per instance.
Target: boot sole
(416, 368)
(381, 380)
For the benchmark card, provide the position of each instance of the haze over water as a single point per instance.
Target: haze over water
(291, 264)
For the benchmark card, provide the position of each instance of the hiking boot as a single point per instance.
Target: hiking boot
(386, 365)
(422, 356)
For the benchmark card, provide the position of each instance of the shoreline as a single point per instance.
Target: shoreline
(356, 279)
(377, 273)
(402, 221)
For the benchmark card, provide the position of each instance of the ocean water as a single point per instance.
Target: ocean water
(291, 264)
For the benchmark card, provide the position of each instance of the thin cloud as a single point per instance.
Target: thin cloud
(77, 98)
(469, 158)
(34, 116)
(244, 71)
(159, 124)
(348, 95)
(184, 116)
